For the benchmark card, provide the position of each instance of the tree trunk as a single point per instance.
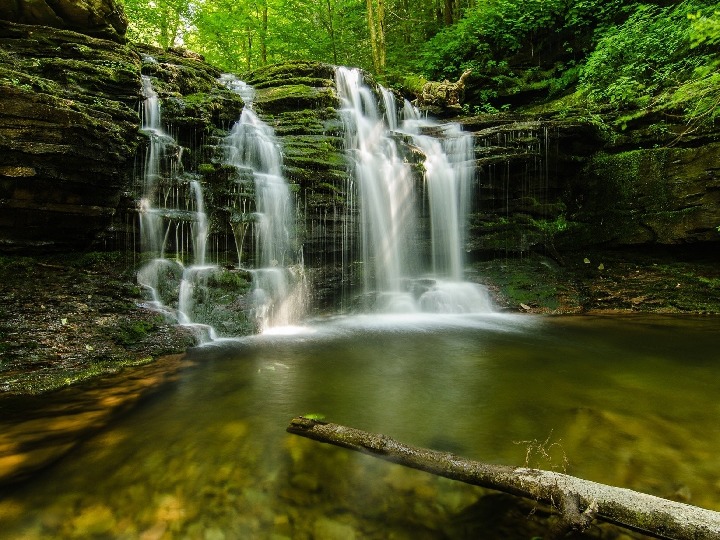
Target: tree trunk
(263, 35)
(448, 12)
(331, 30)
(579, 501)
(380, 21)
(376, 26)
(248, 52)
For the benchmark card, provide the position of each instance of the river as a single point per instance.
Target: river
(629, 401)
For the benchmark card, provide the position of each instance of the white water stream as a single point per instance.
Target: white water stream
(170, 232)
(165, 226)
(280, 289)
(406, 267)
(389, 199)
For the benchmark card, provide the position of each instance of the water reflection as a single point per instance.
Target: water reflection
(629, 402)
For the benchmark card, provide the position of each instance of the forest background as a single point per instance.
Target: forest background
(598, 55)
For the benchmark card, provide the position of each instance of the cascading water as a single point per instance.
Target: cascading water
(279, 283)
(164, 226)
(388, 199)
(175, 228)
(385, 188)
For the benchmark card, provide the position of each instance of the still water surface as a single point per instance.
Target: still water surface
(629, 401)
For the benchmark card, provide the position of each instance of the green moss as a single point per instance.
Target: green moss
(237, 281)
(206, 168)
(289, 70)
(39, 382)
(296, 96)
(130, 333)
(535, 282)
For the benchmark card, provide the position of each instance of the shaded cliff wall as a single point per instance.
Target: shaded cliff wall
(657, 196)
(552, 185)
(68, 132)
(70, 151)
(70, 146)
(97, 18)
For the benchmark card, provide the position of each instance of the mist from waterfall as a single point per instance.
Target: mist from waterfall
(389, 201)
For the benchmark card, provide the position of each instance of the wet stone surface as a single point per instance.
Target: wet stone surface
(64, 319)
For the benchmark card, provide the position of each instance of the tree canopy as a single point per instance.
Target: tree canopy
(616, 53)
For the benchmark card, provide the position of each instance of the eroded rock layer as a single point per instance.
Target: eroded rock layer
(68, 134)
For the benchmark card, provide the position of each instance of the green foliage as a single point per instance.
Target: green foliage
(645, 55)
(636, 60)
(705, 28)
(161, 23)
(660, 58)
(494, 31)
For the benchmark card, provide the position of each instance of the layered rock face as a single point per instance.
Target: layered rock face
(68, 134)
(70, 148)
(99, 18)
(562, 184)
(300, 102)
(665, 195)
(526, 168)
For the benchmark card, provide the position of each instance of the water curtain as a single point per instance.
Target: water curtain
(280, 289)
(173, 225)
(381, 143)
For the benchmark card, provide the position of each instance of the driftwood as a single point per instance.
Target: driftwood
(443, 94)
(578, 501)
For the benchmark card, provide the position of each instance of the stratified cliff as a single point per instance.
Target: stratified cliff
(68, 134)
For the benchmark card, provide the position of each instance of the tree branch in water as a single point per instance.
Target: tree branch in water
(579, 501)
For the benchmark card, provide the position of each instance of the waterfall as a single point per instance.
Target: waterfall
(449, 171)
(389, 202)
(168, 280)
(385, 189)
(280, 289)
(175, 228)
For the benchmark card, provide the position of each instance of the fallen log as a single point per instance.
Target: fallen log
(578, 501)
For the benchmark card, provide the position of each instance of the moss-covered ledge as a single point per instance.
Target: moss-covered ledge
(68, 318)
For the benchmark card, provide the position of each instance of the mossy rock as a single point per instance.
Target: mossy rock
(203, 110)
(292, 97)
(310, 71)
(319, 121)
(656, 196)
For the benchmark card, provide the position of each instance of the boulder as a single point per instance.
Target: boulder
(98, 18)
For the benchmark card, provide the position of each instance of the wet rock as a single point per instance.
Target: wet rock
(330, 529)
(68, 134)
(299, 100)
(193, 100)
(653, 196)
